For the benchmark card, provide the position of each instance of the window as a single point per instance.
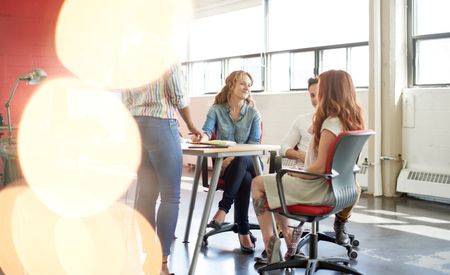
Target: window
(279, 72)
(254, 67)
(335, 59)
(229, 34)
(299, 44)
(297, 24)
(303, 64)
(429, 57)
(206, 77)
(359, 65)
(429, 42)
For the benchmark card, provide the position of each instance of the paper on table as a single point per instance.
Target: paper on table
(216, 142)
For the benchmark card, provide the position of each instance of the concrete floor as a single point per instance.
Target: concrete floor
(397, 236)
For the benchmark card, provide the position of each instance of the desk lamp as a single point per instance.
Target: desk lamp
(32, 77)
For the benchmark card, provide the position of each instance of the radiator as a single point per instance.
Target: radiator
(435, 186)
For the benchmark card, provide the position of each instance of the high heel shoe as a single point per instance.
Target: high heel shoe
(293, 243)
(220, 215)
(273, 250)
(246, 249)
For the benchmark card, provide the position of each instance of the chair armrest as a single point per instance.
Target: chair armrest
(304, 172)
(280, 187)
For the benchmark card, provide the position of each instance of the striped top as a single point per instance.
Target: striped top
(160, 98)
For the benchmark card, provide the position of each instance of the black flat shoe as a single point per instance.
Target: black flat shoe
(245, 249)
(215, 225)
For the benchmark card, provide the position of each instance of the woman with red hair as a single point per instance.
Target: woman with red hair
(337, 111)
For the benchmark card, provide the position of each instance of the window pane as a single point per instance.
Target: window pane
(430, 66)
(213, 77)
(198, 78)
(229, 34)
(206, 77)
(334, 59)
(317, 23)
(235, 64)
(359, 66)
(432, 16)
(254, 67)
(279, 72)
(302, 69)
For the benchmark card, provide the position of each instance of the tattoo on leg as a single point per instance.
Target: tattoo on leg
(260, 205)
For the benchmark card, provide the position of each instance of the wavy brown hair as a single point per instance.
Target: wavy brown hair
(230, 83)
(337, 98)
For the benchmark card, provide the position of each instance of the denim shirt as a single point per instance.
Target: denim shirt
(247, 129)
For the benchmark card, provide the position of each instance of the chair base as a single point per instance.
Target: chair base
(312, 265)
(225, 228)
(330, 237)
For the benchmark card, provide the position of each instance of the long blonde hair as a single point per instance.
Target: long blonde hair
(337, 98)
(230, 83)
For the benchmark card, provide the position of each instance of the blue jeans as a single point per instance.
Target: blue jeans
(238, 178)
(160, 174)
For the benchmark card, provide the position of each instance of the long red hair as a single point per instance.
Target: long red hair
(337, 98)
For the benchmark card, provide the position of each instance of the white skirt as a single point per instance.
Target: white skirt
(298, 191)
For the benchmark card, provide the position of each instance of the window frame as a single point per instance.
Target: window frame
(412, 42)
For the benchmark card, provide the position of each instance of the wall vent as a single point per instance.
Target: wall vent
(363, 169)
(428, 177)
(424, 183)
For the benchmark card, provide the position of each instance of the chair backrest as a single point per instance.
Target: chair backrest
(342, 162)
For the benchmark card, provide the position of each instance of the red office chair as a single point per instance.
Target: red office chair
(340, 172)
(329, 236)
(226, 227)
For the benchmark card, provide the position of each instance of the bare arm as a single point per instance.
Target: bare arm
(294, 154)
(319, 166)
(186, 116)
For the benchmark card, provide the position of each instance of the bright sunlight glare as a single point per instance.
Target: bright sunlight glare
(111, 242)
(119, 43)
(37, 241)
(79, 147)
(9, 260)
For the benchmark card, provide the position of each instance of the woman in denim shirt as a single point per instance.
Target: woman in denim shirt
(233, 117)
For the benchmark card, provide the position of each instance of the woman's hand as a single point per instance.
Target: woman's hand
(196, 135)
(202, 137)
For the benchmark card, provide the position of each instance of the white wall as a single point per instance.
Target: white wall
(426, 129)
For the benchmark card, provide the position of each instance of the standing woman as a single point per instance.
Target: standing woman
(233, 117)
(154, 109)
(337, 111)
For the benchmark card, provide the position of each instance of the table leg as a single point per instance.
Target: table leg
(205, 216)
(198, 169)
(257, 165)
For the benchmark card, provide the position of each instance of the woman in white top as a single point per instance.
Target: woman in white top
(337, 111)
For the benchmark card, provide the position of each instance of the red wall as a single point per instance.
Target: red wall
(27, 30)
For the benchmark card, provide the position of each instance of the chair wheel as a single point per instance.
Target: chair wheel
(352, 254)
(355, 243)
